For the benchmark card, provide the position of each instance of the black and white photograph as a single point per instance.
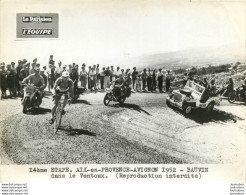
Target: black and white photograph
(122, 82)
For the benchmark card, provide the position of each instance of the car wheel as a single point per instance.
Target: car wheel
(168, 103)
(210, 107)
(187, 109)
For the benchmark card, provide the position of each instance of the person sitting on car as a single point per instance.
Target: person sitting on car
(212, 88)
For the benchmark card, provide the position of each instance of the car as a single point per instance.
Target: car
(192, 96)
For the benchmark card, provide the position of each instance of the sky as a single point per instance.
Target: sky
(102, 31)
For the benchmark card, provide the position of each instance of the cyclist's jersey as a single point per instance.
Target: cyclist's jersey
(63, 85)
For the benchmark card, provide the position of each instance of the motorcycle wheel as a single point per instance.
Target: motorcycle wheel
(25, 105)
(122, 100)
(106, 99)
(232, 97)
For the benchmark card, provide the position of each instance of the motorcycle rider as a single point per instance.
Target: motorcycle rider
(244, 89)
(61, 85)
(37, 80)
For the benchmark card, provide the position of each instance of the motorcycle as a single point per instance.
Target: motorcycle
(116, 94)
(31, 98)
(237, 95)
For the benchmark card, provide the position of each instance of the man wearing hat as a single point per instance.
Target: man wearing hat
(18, 69)
(160, 80)
(89, 78)
(3, 80)
(144, 79)
(51, 77)
(117, 73)
(23, 74)
(59, 69)
(134, 77)
(112, 74)
(15, 78)
(97, 77)
(32, 71)
(106, 78)
(74, 77)
(51, 61)
(83, 77)
(37, 80)
(24, 61)
(10, 79)
(102, 75)
(64, 68)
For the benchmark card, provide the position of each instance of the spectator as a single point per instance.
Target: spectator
(3, 81)
(154, 80)
(149, 80)
(112, 74)
(106, 78)
(144, 79)
(10, 80)
(83, 77)
(134, 77)
(160, 80)
(102, 75)
(168, 81)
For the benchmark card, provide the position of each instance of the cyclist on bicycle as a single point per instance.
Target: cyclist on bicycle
(62, 85)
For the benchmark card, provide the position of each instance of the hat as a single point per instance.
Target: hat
(19, 61)
(65, 74)
(24, 60)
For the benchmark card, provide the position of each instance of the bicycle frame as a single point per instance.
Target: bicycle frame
(58, 112)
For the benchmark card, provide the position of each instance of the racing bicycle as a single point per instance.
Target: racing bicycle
(59, 110)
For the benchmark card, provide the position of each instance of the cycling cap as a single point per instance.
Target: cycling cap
(65, 74)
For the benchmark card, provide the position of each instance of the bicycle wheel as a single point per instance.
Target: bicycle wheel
(58, 117)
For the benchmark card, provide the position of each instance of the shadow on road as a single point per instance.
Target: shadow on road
(202, 117)
(82, 102)
(73, 132)
(132, 107)
(39, 111)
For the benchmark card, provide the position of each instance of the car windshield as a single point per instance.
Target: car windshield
(194, 87)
